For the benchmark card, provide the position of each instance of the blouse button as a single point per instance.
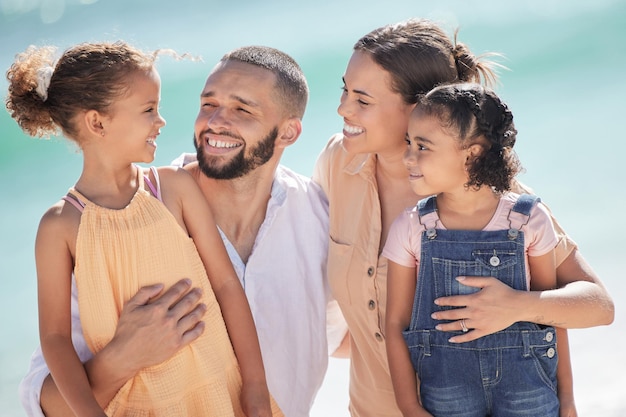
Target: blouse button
(370, 271)
(494, 261)
(550, 353)
(378, 336)
(372, 304)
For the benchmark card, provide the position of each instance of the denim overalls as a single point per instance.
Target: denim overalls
(509, 373)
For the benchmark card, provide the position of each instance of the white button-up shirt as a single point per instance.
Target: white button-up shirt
(286, 286)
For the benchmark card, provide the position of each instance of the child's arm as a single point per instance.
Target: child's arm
(148, 333)
(55, 237)
(543, 277)
(201, 226)
(400, 294)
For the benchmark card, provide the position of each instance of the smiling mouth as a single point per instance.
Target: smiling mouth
(222, 144)
(352, 130)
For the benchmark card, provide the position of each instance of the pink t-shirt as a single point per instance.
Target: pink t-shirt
(404, 242)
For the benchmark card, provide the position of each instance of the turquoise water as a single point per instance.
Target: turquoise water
(565, 86)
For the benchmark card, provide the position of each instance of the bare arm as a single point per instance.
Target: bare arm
(581, 301)
(148, 333)
(543, 277)
(54, 261)
(400, 294)
(229, 293)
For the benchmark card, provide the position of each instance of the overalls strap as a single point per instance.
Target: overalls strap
(427, 211)
(520, 213)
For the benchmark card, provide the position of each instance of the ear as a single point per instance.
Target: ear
(289, 132)
(474, 151)
(93, 122)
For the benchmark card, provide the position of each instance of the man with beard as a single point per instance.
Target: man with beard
(274, 224)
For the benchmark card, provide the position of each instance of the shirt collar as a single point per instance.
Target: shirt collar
(363, 164)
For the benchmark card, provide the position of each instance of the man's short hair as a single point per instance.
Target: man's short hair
(291, 86)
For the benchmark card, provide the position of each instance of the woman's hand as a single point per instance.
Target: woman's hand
(495, 307)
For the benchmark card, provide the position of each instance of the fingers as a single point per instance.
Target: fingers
(175, 293)
(189, 322)
(463, 300)
(145, 294)
(193, 333)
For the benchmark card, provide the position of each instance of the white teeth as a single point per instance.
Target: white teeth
(221, 144)
(150, 141)
(353, 130)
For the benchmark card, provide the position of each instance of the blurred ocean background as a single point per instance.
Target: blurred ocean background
(565, 85)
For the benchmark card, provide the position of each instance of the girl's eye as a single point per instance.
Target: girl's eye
(421, 147)
(363, 103)
(243, 110)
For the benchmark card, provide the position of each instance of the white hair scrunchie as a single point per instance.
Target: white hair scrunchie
(44, 75)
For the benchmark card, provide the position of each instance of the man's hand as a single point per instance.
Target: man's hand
(153, 328)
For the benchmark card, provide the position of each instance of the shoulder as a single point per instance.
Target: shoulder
(169, 173)
(173, 180)
(299, 187)
(61, 220)
(333, 150)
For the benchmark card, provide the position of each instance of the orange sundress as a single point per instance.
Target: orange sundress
(119, 251)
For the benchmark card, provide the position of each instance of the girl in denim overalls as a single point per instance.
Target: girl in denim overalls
(460, 142)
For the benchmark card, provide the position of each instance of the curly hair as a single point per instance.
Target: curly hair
(88, 76)
(477, 115)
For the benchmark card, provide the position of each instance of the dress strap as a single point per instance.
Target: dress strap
(156, 191)
(75, 201)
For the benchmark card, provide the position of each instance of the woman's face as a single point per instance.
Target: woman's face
(375, 117)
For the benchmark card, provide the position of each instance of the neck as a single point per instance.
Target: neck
(239, 205)
(107, 184)
(467, 209)
(390, 165)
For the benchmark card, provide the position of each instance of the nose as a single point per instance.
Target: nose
(161, 121)
(410, 157)
(343, 109)
(216, 119)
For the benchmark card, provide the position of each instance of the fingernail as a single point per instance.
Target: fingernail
(460, 278)
(436, 301)
(438, 327)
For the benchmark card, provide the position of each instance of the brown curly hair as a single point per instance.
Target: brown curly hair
(476, 114)
(88, 76)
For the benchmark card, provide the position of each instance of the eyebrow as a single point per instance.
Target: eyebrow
(235, 97)
(357, 91)
(423, 139)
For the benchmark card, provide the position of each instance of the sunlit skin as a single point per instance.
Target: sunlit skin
(135, 120)
(434, 158)
(237, 103)
(374, 116)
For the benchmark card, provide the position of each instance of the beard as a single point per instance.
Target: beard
(241, 164)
